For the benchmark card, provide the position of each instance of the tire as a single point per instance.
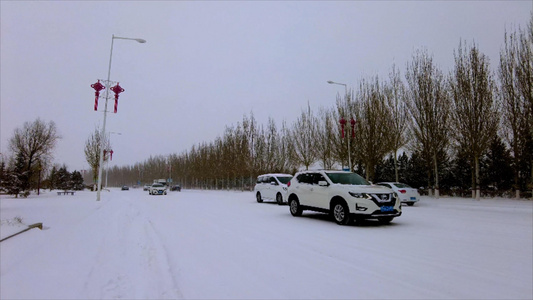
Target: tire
(340, 212)
(385, 220)
(258, 197)
(279, 199)
(410, 203)
(165, 193)
(295, 208)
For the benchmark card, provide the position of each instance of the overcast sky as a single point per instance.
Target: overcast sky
(207, 64)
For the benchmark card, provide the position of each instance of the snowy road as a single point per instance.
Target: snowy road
(218, 244)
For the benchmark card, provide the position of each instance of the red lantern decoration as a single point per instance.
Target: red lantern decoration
(97, 88)
(117, 89)
(353, 127)
(343, 122)
(111, 154)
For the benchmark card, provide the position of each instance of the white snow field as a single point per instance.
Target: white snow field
(225, 245)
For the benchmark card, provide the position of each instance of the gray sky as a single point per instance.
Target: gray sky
(207, 64)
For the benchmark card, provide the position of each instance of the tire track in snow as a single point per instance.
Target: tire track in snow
(131, 261)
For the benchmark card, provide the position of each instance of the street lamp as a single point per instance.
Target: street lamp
(343, 123)
(102, 134)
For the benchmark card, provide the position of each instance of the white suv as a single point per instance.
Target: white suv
(344, 195)
(158, 189)
(272, 187)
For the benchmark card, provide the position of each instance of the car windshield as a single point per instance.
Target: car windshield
(402, 185)
(157, 185)
(285, 179)
(347, 178)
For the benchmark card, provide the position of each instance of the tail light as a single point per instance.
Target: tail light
(402, 191)
(288, 184)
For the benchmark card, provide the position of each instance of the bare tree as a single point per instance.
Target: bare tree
(475, 110)
(429, 109)
(325, 138)
(395, 94)
(372, 137)
(303, 137)
(516, 79)
(92, 151)
(34, 142)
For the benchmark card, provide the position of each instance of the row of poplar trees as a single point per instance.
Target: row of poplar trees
(437, 116)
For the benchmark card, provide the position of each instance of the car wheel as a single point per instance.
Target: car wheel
(385, 220)
(341, 213)
(258, 197)
(279, 199)
(295, 208)
(165, 193)
(410, 203)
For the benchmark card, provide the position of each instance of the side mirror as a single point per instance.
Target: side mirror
(323, 183)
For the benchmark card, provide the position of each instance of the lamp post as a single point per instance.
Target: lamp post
(111, 151)
(102, 134)
(343, 122)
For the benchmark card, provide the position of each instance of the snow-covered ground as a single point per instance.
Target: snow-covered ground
(220, 244)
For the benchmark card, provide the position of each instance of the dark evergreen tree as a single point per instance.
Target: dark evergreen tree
(497, 172)
(3, 173)
(52, 179)
(64, 181)
(415, 171)
(77, 181)
(17, 181)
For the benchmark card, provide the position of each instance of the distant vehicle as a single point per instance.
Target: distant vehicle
(404, 192)
(158, 189)
(176, 187)
(146, 187)
(272, 187)
(344, 195)
(125, 188)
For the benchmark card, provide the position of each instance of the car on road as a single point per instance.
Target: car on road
(272, 187)
(125, 188)
(176, 187)
(158, 189)
(344, 195)
(404, 192)
(146, 187)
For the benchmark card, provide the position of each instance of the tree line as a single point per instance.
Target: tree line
(466, 131)
(459, 132)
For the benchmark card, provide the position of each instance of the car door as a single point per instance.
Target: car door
(303, 188)
(319, 195)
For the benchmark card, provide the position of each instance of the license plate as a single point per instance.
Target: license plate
(387, 208)
(413, 198)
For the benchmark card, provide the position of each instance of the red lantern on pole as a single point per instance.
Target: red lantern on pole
(352, 122)
(111, 154)
(343, 122)
(117, 89)
(97, 88)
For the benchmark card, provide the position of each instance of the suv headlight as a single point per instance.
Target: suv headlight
(360, 195)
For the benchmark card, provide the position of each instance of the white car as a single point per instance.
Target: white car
(344, 195)
(272, 187)
(403, 191)
(158, 189)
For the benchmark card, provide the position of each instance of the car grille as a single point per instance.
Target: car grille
(383, 199)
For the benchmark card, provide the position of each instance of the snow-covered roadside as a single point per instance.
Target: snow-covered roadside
(218, 244)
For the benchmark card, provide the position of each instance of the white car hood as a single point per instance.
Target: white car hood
(371, 189)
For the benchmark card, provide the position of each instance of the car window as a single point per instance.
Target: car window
(272, 179)
(305, 178)
(317, 177)
(284, 179)
(347, 178)
(384, 184)
(402, 185)
(258, 179)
